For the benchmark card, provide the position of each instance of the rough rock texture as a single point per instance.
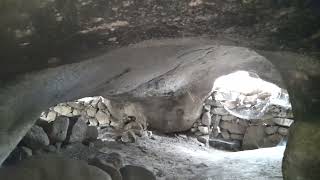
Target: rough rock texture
(36, 138)
(51, 168)
(301, 159)
(59, 129)
(174, 101)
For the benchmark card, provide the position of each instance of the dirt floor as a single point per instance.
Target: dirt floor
(183, 157)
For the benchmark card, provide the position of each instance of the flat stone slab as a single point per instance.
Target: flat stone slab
(225, 145)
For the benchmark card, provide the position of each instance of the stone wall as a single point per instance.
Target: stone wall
(226, 131)
(101, 113)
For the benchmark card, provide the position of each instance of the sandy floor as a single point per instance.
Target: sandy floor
(183, 157)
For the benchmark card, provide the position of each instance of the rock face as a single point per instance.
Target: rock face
(168, 81)
(301, 158)
(51, 168)
(36, 138)
(59, 129)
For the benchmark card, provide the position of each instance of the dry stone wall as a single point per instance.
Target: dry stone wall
(223, 130)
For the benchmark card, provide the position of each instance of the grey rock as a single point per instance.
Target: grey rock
(36, 138)
(103, 117)
(228, 118)
(92, 133)
(130, 172)
(203, 139)
(272, 140)
(283, 131)
(225, 134)
(93, 122)
(206, 108)
(283, 121)
(110, 163)
(225, 145)
(220, 111)
(91, 111)
(254, 137)
(78, 131)
(271, 129)
(63, 110)
(59, 129)
(233, 127)
(206, 119)
(18, 154)
(203, 129)
(237, 136)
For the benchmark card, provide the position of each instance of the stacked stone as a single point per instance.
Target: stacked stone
(227, 129)
(94, 111)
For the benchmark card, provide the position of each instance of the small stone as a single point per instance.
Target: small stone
(116, 124)
(93, 122)
(225, 134)
(193, 130)
(36, 138)
(220, 111)
(236, 136)
(203, 129)
(78, 131)
(51, 116)
(203, 139)
(95, 102)
(215, 121)
(272, 140)
(225, 145)
(103, 118)
(92, 133)
(102, 106)
(76, 105)
(283, 121)
(76, 112)
(130, 171)
(283, 131)
(228, 118)
(59, 129)
(91, 111)
(128, 137)
(232, 127)
(206, 108)
(271, 130)
(206, 119)
(63, 110)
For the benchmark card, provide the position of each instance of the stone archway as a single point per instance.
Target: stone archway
(170, 80)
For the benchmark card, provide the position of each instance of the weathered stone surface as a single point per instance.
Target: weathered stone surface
(232, 127)
(130, 172)
(301, 158)
(271, 129)
(103, 117)
(225, 134)
(110, 163)
(63, 110)
(253, 138)
(207, 108)
(76, 105)
(272, 140)
(51, 168)
(206, 119)
(51, 116)
(91, 111)
(220, 111)
(203, 129)
(76, 112)
(237, 136)
(228, 118)
(59, 129)
(36, 138)
(225, 145)
(203, 139)
(283, 121)
(93, 122)
(283, 131)
(77, 132)
(92, 133)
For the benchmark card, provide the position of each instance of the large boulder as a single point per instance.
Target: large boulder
(301, 158)
(53, 168)
(36, 138)
(59, 129)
